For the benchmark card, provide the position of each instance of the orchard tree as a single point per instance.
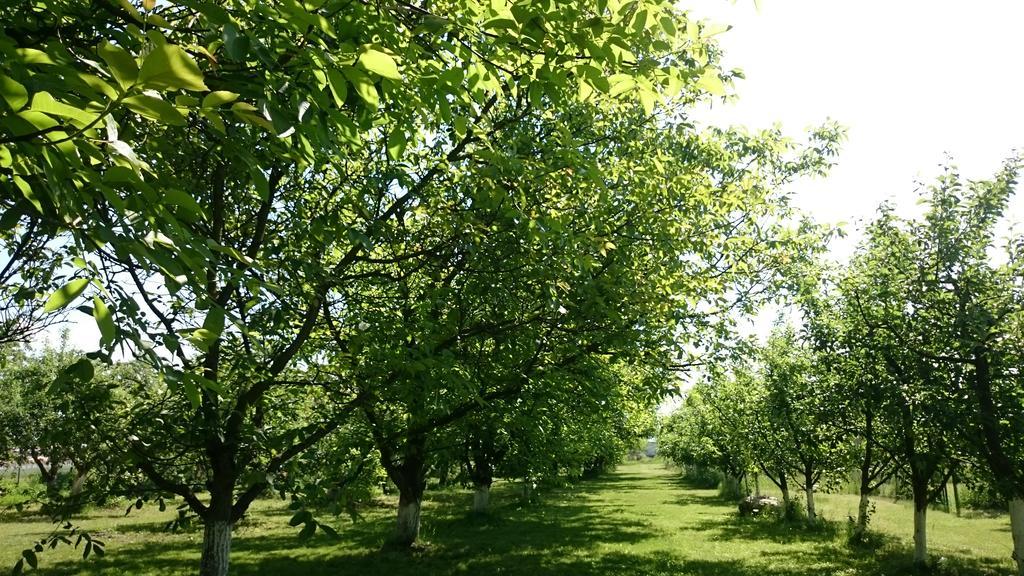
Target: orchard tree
(839, 344)
(886, 295)
(711, 430)
(176, 146)
(50, 410)
(972, 307)
(479, 300)
(802, 414)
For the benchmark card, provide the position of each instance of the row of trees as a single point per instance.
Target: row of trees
(70, 437)
(334, 228)
(908, 365)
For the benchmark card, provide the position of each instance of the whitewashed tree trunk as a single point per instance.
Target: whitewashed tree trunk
(407, 528)
(1017, 529)
(812, 516)
(481, 498)
(920, 536)
(216, 548)
(862, 512)
(79, 482)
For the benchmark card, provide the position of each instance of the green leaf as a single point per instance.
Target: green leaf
(186, 203)
(214, 322)
(122, 66)
(19, 567)
(65, 294)
(364, 87)
(155, 109)
(235, 43)
(219, 98)
(191, 391)
(202, 338)
(397, 143)
(81, 371)
(168, 67)
(380, 64)
(711, 83)
(13, 92)
(44, 102)
(33, 56)
(104, 320)
(338, 85)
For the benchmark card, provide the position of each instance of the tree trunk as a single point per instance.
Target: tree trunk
(79, 482)
(920, 535)
(812, 516)
(527, 493)
(862, 513)
(865, 473)
(1017, 529)
(407, 527)
(219, 518)
(956, 496)
(481, 497)
(216, 548)
(787, 507)
(757, 484)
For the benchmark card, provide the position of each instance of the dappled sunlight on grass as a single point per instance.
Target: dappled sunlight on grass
(640, 520)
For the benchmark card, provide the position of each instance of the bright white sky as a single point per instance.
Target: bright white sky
(912, 80)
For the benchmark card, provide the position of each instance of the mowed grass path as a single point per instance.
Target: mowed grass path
(641, 519)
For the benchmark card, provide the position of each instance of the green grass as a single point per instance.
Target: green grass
(641, 519)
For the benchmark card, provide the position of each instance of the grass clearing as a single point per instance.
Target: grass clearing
(642, 519)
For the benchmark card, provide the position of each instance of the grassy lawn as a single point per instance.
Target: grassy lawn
(639, 520)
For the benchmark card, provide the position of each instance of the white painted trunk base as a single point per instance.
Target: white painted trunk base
(920, 536)
(1017, 529)
(481, 498)
(407, 529)
(216, 549)
(812, 516)
(862, 512)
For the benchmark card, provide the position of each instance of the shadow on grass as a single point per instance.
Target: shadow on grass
(735, 527)
(570, 534)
